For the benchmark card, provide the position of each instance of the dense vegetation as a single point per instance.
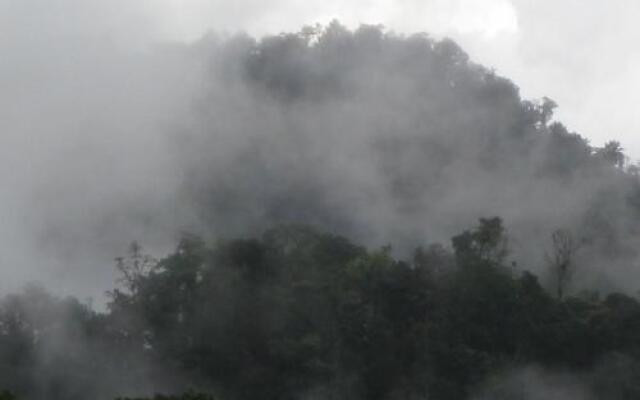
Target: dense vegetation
(187, 396)
(299, 313)
(375, 138)
(391, 139)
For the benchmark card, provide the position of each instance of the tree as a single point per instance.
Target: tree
(561, 259)
(612, 153)
(487, 244)
(546, 110)
(134, 267)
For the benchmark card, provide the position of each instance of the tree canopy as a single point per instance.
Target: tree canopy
(297, 312)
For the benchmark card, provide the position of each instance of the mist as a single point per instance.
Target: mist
(89, 105)
(113, 134)
(388, 139)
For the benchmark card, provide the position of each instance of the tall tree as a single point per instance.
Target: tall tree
(561, 259)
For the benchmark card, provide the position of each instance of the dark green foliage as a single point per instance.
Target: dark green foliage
(186, 396)
(300, 313)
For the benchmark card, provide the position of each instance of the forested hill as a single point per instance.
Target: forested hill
(320, 170)
(299, 314)
(403, 140)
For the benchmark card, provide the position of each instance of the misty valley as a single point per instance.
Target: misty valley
(332, 213)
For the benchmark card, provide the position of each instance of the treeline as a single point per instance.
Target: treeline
(301, 314)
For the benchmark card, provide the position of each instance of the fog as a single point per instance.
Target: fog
(87, 107)
(111, 135)
(121, 123)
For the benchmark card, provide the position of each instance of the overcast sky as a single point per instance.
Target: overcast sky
(581, 53)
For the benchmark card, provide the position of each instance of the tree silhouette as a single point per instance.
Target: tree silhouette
(561, 259)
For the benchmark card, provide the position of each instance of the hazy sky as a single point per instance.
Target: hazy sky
(581, 53)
